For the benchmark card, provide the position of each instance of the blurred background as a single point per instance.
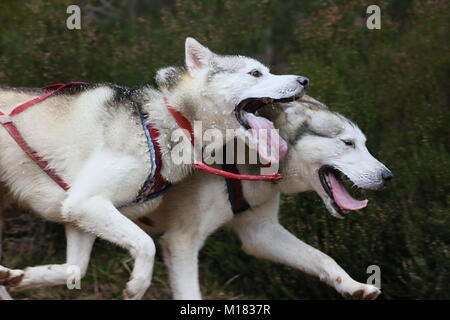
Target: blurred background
(392, 82)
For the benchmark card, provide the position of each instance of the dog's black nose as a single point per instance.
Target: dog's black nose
(387, 176)
(304, 82)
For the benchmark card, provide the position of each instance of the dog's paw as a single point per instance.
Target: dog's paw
(136, 289)
(10, 278)
(364, 292)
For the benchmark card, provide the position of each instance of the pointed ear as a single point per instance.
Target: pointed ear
(197, 56)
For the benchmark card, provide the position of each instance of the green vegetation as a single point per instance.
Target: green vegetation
(393, 82)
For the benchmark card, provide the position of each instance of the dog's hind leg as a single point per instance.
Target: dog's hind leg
(4, 203)
(4, 295)
(263, 236)
(2, 222)
(79, 246)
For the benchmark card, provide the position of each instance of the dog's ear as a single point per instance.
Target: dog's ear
(197, 56)
(169, 76)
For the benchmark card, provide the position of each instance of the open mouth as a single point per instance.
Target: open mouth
(246, 114)
(332, 182)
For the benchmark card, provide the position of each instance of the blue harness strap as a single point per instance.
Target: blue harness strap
(155, 185)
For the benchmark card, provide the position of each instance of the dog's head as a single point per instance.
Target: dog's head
(325, 149)
(228, 90)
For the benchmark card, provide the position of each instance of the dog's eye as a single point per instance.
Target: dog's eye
(349, 143)
(255, 73)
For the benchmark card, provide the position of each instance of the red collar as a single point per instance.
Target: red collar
(184, 124)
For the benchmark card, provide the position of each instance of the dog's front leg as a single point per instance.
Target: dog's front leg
(263, 236)
(99, 215)
(89, 205)
(79, 246)
(180, 252)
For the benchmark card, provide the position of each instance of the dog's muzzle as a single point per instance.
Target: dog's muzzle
(304, 82)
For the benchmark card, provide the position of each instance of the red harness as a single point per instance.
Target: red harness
(151, 189)
(15, 134)
(184, 124)
(154, 186)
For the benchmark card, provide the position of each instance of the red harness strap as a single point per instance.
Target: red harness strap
(184, 124)
(160, 182)
(30, 103)
(15, 134)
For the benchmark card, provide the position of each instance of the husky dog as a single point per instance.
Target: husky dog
(93, 138)
(323, 147)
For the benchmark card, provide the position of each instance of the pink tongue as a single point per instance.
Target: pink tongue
(264, 147)
(343, 199)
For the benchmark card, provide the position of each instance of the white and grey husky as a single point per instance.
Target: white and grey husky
(93, 138)
(323, 147)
